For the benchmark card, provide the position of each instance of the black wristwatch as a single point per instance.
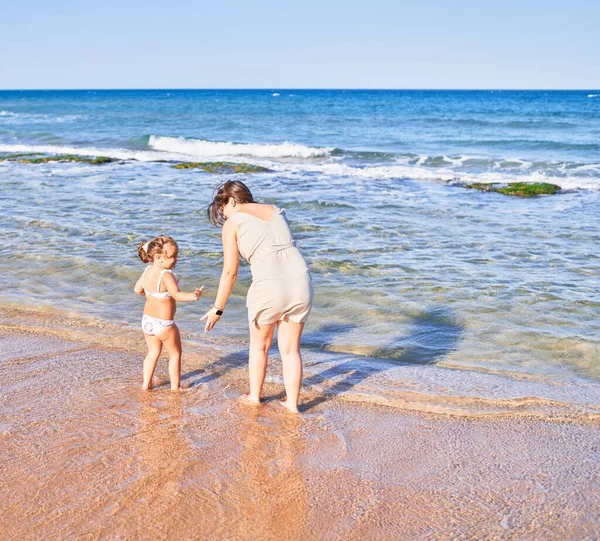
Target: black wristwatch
(217, 311)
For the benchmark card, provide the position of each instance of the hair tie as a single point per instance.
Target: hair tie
(145, 247)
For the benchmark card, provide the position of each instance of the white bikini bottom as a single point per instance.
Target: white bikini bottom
(154, 326)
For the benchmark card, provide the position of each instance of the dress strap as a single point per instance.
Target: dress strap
(263, 234)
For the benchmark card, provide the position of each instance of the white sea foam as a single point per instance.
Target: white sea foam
(522, 163)
(455, 161)
(442, 175)
(213, 149)
(117, 153)
(595, 167)
(593, 95)
(565, 182)
(581, 177)
(383, 172)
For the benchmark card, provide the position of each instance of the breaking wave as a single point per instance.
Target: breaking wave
(215, 149)
(338, 163)
(117, 153)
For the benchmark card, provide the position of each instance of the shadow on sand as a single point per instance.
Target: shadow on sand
(432, 335)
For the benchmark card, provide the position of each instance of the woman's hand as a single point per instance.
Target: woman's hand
(211, 319)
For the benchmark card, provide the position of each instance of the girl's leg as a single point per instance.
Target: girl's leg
(261, 337)
(154, 349)
(288, 339)
(172, 341)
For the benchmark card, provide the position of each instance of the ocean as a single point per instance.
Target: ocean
(421, 284)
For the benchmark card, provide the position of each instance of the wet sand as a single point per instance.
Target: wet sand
(85, 454)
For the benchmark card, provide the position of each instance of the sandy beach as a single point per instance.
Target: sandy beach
(86, 454)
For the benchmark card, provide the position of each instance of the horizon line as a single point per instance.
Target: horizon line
(274, 89)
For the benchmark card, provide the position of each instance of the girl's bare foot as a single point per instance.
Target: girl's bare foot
(146, 386)
(245, 399)
(176, 389)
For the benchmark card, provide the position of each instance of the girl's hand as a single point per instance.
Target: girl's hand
(198, 292)
(211, 319)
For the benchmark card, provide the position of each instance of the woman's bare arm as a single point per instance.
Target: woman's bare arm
(231, 262)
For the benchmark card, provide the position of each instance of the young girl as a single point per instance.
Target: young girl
(160, 286)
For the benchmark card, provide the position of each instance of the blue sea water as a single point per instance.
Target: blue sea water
(409, 265)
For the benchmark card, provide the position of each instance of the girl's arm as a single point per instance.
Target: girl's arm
(173, 289)
(231, 262)
(137, 288)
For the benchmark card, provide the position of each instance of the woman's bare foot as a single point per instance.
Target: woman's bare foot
(292, 408)
(246, 400)
(176, 389)
(146, 386)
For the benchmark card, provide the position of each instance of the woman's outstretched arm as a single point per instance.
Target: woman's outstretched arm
(231, 262)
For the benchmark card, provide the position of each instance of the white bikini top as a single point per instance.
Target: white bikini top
(157, 294)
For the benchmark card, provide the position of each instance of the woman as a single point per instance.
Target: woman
(281, 291)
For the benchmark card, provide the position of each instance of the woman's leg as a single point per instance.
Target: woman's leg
(288, 339)
(261, 337)
(154, 349)
(172, 341)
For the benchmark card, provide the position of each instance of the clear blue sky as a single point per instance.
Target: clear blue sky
(302, 44)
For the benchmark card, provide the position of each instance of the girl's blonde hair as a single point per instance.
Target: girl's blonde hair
(155, 247)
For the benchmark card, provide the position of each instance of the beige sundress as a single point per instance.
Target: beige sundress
(281, 283)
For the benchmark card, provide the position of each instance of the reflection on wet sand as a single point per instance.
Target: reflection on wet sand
(271, 493)
(153, 498)
(88, 453)
(85, 453)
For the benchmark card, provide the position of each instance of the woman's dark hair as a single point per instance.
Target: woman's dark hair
(155, 247)
(232, 188)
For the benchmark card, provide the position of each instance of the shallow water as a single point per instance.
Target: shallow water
(409, 266)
